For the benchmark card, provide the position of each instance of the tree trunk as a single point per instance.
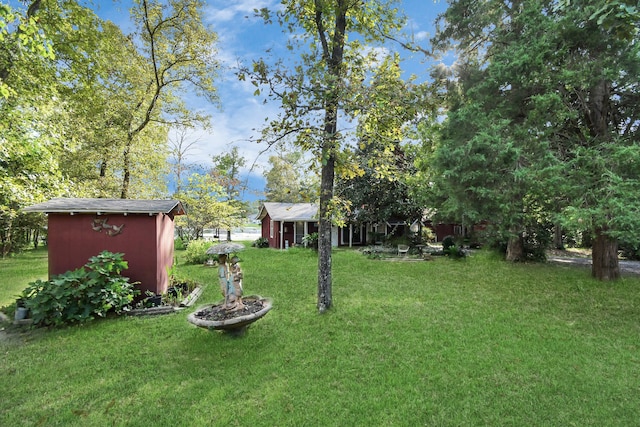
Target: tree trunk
(515, 248)
(324, 234)
(557, 237)
(126, 169)
(604, 257)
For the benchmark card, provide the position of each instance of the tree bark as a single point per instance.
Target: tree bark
(557, 237)
(126, 169)
(604, 257)
(515, 248)
(325, 298)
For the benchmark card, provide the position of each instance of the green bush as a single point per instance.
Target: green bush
(311, 240)
(261, 242)
(447, 243)
(196, 252)
(81, 294)
(179, 244)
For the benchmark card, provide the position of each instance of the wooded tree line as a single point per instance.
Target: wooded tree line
(533, 128)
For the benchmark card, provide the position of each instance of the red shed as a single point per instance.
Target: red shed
(141, 229)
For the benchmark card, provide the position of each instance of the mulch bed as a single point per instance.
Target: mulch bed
(218, 314)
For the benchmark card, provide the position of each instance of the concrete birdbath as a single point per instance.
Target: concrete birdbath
(236, 312)
(235, 322)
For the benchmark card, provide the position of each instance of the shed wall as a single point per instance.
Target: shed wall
(145, 240)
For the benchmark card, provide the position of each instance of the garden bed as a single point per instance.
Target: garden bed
(164, 308)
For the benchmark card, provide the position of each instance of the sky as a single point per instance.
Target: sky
(242, 38)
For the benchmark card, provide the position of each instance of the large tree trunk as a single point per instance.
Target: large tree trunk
(604, 257)
(558, 243)
(324, 236)
(515, 247)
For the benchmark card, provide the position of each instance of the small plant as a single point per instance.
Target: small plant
(261, 242)
(196, 252)
(179, 244)
(311, 240)
(455, 252)
(82, 294)
(448, 242)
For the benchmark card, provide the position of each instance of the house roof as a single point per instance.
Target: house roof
(289, 211)
(104, 206)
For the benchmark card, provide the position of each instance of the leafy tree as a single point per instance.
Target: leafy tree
(488, 163)
(30, 130)
(226, 171)
(286, 180)
(207, 206)
(381, 192)
(21, 38)
(597, 115)
(99, 106)
(546, 100)
(334, 39)
(177, 48)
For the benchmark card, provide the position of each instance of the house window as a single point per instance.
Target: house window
(271, 226)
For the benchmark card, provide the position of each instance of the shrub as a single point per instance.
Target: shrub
(630, 251)
(448, 242)
(261, 242)
(179, 244)
(196, 252)
(81, 294)
(311, 240)
(455, 252)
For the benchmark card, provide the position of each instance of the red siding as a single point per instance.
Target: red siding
(146, 241)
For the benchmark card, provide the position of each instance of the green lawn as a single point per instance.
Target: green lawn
(440, 343)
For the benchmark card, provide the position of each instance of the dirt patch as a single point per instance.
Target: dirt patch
(569, 253)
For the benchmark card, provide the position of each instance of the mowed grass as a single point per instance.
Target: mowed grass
(440, 343)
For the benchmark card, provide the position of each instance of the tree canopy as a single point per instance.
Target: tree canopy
(541, 114)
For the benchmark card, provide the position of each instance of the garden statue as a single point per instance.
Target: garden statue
(236, 273)
(235, 313)
(230, 278)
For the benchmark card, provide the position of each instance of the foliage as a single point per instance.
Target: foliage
(380, 189)
(207, 206)
(311, 240)
(93, 122)
(226, 172)
(261, 242)
(176, 47)
(448, 242)
(287, 181)
(80, 295)
(179, 244)
(515, 130)
(196, 252)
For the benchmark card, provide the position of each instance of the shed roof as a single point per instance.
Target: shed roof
(289, 211)
(104, 206)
